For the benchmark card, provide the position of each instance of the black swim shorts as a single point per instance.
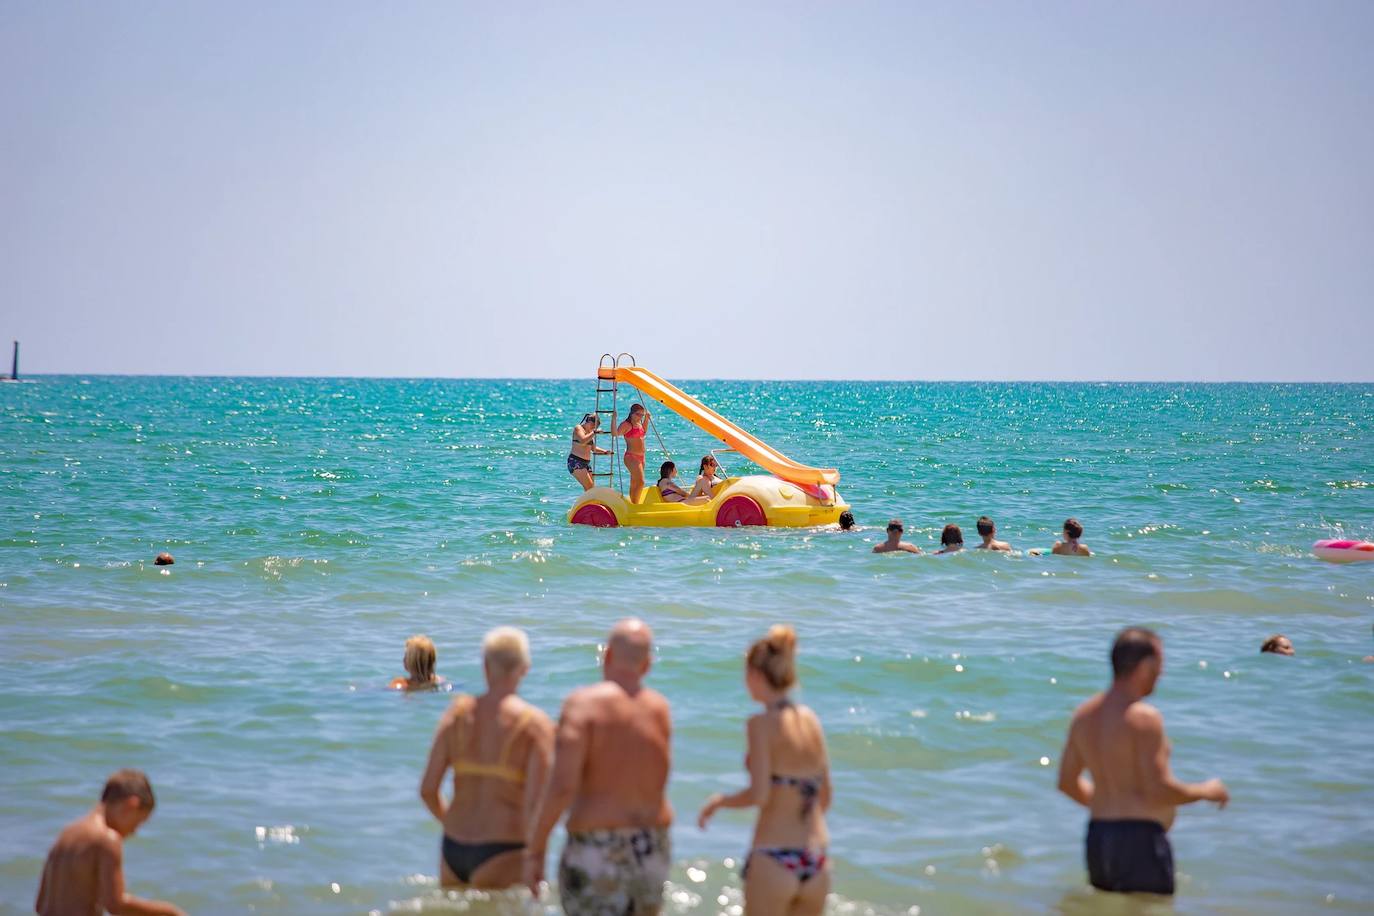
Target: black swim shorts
(578, 464)
(1130, 856)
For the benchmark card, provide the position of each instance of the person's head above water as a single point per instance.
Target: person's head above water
(163, 559)
(1137, 659)
(505, 655)
(951, 536)
(895, 528)
(420, 658)
(628, 651)
(986, 527)
(666, 469)
(846, 520)
(128, 801)
(1278, 644)
(771, 663)
(1072, 529)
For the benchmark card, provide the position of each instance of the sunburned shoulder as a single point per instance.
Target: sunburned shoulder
(1144, 717)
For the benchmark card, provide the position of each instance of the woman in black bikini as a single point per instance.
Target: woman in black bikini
(583, 446)
(499, 748)
(786, 871)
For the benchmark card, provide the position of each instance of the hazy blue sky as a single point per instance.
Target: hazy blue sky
(910, 190)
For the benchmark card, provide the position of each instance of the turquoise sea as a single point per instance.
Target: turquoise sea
(317, 523)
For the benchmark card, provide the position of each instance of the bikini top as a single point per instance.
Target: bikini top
(635, 432)
(808, 786)
(501, 768)
(581, 441)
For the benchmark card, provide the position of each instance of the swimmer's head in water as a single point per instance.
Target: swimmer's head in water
(163, 559)
(420, 658)
(986, 528)
(1072, 529)
(846, 520)
(774, 658)
(895, 526)
(629, 649)
(666, 469)
(1278, 644)
(128, 800)
(1137, 653)
(505, 651)
(951, 536)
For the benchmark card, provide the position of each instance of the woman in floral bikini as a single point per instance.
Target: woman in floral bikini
(786, 871)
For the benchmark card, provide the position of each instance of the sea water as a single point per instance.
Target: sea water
(318, 523)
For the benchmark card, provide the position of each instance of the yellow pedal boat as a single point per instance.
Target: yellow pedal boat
(795, 496)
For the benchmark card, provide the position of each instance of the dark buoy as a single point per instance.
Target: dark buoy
(14, 366)
(163, 559)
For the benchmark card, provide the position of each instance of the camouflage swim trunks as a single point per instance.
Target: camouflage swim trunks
(614, 872)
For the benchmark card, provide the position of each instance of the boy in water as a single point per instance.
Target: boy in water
(84, 872)
(894, 542)
(1069, 547)
(988, 531)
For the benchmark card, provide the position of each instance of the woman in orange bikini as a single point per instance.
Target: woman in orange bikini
(633, 429)
(786, 871)
(499, 748)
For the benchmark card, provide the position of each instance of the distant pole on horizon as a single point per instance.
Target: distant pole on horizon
(14, 366)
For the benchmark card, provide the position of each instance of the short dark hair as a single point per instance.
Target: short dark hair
(129, 784)
(951, 535)
(985, 526)
(1073, 528)
(590, 418)
(1272, 643)
(665, 469)
(1133, 645)
(846, 520)
(896, 525)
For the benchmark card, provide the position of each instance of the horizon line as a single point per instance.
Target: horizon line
(592, 377)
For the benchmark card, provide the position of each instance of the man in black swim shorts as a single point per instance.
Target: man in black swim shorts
(1133, 795)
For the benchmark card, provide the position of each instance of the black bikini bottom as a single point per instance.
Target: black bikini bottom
(465, 858)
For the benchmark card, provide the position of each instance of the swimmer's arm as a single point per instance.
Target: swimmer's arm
(1161, 785)
(1071, 780)
(569, 757)
(760, 783)
(434, 770)
(537, 767)
(115, 899)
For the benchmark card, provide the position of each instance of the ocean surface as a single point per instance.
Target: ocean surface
(316, 523)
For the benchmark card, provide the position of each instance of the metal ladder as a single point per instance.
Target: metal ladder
(609, 388)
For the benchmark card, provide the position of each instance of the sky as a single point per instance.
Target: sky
(989, 190)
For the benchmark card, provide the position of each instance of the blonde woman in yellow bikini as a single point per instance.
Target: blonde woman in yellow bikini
(499, 748)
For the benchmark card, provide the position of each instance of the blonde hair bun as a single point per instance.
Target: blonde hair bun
(774, 656)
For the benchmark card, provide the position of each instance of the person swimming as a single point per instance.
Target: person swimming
(951, 540)
(583, 447)
(846, 520)
(1069, 547)
(894, 542)
(1278, 644)
(705, 486)
(419, 661)
(987, 530)
(633, 430)
(786, 870)
(499, 748)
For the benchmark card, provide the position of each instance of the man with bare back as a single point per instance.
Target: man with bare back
(84, 873)
(611, 762)
(1133, 795)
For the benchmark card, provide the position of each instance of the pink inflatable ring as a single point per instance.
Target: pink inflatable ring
(1343, 551)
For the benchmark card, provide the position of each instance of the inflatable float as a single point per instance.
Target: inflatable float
(791, 495)
(1343, 551)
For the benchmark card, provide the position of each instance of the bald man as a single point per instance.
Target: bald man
(610, 772)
